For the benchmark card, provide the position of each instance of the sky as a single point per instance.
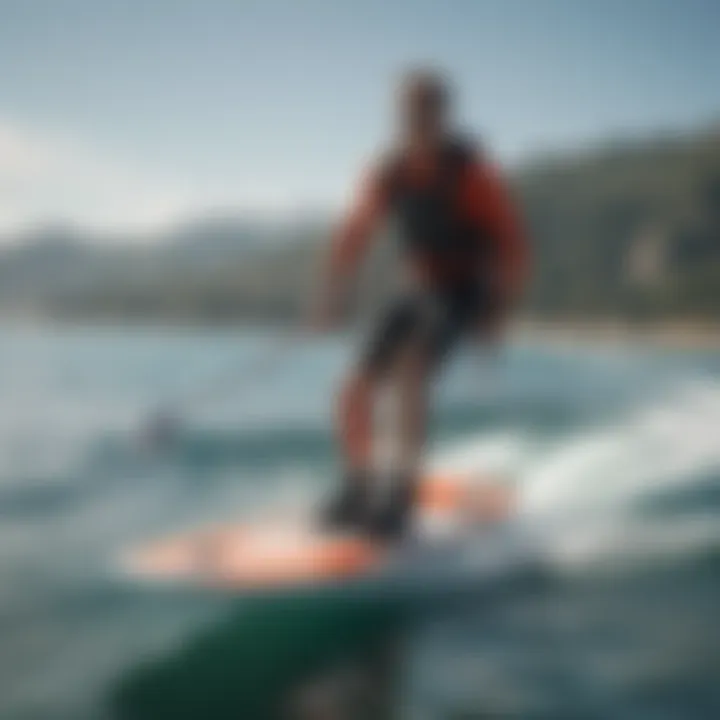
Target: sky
(136, 114)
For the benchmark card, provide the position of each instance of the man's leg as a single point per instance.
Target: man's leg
(347, 508)
(440, 325)
(355, 422)
(411, 382)
(355, 415)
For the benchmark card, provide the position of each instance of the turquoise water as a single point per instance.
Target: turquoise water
(614, 451)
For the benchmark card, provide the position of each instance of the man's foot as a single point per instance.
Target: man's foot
(348, 509)
(391, 520)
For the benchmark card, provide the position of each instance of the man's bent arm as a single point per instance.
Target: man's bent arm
(351, 240)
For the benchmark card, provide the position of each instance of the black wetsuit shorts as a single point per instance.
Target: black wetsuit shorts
(430, 322)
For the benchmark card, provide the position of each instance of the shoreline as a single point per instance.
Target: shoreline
(669, 334)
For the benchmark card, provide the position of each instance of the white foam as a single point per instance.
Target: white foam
(617, 544)
(670, 442)
(579, 492)
(501, 455)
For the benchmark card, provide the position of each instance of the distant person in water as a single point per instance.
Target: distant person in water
(464, 267)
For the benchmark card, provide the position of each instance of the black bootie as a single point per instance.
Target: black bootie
(348, 509)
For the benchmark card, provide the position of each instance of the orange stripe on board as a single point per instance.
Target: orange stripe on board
(256, 556)
(484, 501)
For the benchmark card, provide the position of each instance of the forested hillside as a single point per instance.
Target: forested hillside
(630, 229)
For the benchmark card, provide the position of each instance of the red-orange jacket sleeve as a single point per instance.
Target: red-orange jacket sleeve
(355, 231)
(486, 200)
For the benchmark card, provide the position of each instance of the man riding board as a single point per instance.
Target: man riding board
(465, 264)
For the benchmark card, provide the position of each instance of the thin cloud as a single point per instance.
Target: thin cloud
(50, 179)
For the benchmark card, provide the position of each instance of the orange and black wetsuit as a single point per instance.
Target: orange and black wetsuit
(462, 241)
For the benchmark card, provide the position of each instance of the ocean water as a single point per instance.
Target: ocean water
(614, 451)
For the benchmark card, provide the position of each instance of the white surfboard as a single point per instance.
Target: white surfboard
(461, 519)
